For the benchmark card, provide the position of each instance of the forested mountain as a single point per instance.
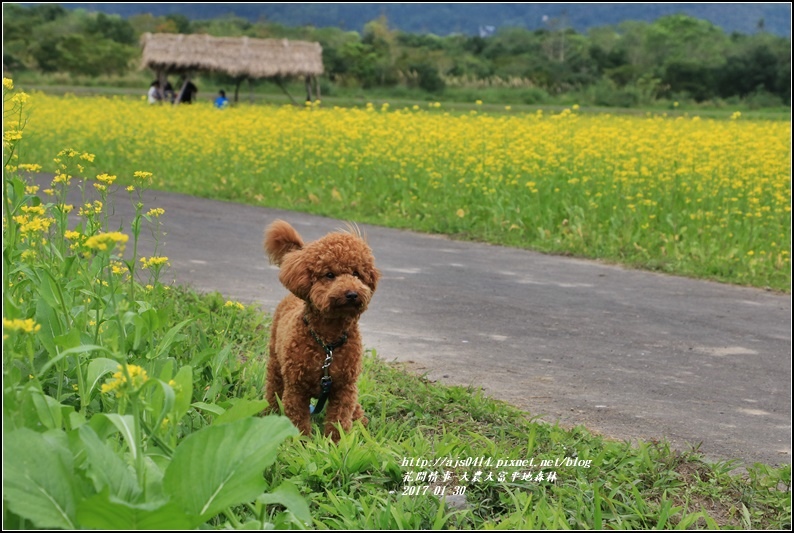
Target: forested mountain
(676, 57)
(445, 18)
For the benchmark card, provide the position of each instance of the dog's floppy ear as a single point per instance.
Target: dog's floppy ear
(281, 239)
(295, 275)
(371, 277)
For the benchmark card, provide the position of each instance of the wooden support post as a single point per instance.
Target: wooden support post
(178, 98)
(308, 82)
(280, 83)
(237, 82)
(161, 79)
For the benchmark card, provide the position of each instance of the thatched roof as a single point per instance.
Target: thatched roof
(235, 56)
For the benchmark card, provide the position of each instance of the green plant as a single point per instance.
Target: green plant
(101, 429)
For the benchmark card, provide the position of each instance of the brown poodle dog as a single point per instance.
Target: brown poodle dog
(315, 337)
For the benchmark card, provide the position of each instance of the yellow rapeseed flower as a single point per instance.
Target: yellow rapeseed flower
(154, 261)
(11, 135)
(120, 385)
(20, 98)
(27, 325)
(107, 241)
(142, 176)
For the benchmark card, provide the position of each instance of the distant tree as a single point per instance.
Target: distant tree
(755, 66)
(181, 22)
(428, 77)
(47, 54)
(144, 23)
(91, 56)
(111, 27)
(383, 43)
(689, 78)
(48, 12)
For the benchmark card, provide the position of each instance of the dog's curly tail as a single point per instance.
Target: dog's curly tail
(281, 239)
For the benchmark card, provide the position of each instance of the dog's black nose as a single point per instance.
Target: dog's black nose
(352, 296)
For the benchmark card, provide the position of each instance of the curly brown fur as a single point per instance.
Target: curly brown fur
(332, 281)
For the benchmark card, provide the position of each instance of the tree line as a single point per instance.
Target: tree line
(676, 57)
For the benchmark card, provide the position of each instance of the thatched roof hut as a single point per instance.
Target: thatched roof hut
(239, 57)
(236, 56)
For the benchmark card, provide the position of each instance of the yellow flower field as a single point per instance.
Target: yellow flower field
(702, 197)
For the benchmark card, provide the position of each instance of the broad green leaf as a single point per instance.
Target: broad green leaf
(287, 495)
(50, 325)
(75, 419)
(146, 322)
(125, 424)
(221, 466)
(48, 409)
(48, 289)
(166, 368)
(184, 390)
(241, 409)
(37, 480)
(68, 340)
(97, 368)
(104, 511)
(212, 408)
(163, 404)
(106, 469)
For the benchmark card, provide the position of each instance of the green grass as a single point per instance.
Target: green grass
(454, 98)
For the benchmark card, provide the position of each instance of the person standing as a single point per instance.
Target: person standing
(221, 102)
(153, 95)
(189, 92)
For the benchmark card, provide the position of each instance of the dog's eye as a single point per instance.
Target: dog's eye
(356, 274)
(330, 275)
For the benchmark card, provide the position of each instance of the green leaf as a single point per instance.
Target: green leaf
(221, 466)
(68, 340)
(86, 348)
(97, 368)
(212, 408)
(37, 480)
(161, 404)
(145, 323)
(48, 289)
(47, 408)
(164, 346)
(125, 424)
(184, 387)
(241, 409)
(104, 511)
(106, 469)
(50, 325)
(287, 495)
